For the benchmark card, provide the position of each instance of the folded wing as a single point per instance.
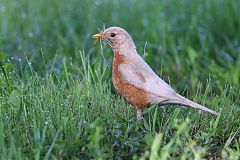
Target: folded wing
(139, 74)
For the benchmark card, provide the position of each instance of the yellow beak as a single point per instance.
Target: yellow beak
(97, 36)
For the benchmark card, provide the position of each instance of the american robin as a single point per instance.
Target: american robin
(134, 79)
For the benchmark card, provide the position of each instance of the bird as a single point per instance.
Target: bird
(134, 79)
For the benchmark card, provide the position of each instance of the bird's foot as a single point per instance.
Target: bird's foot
(139, 114)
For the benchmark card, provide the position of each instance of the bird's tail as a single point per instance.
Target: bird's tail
(184, 101)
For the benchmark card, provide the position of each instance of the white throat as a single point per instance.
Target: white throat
(126, 49)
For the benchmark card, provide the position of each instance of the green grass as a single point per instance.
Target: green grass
(57, 100)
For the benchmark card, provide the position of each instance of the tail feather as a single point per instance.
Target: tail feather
(187, 102)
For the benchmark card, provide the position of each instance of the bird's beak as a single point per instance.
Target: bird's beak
(97, 36)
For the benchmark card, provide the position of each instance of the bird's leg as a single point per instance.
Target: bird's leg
(139, 114)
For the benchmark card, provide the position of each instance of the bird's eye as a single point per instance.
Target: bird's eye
(112, 34)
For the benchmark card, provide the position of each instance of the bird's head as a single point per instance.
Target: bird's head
(116, 37)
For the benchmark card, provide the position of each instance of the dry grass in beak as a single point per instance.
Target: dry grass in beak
(95, 43)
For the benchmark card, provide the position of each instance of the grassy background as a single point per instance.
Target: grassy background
(57, 99)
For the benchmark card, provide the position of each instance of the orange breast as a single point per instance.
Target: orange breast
(135, 96)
